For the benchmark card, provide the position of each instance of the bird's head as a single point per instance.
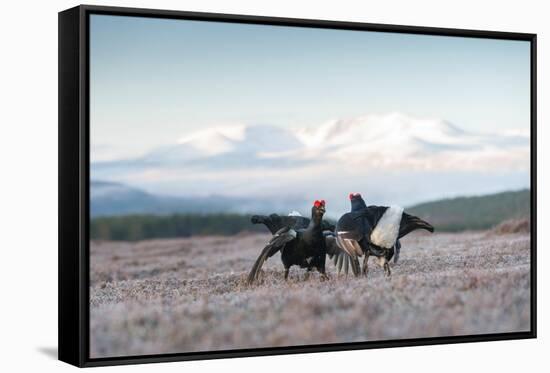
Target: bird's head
(354, 196)
(318, 209)
(357, 202)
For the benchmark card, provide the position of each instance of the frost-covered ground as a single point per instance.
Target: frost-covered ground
(181, 295)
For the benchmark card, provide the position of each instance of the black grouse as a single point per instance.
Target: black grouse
(375, 230)
(304, 247)
(358, 204)
(342, 260)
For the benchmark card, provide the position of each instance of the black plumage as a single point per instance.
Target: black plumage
(343, 261)
(355, 231)
(275, 222)
(373, 214)
(304, 247)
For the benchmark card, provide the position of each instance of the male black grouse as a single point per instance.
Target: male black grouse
(358, 204)
(375, 230)
(342, 260)
(298, 246)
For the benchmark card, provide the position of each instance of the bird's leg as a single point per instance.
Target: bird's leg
(322, 268)
(306, 277)
(384, 264)
(366, 265)
(324, 275)
(387, 270)
(287, 269)
(397, 250)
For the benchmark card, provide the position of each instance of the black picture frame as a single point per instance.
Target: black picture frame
(74, 188)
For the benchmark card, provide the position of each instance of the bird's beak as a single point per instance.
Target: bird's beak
(322, 209)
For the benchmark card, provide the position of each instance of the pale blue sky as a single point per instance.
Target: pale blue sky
(153, 80)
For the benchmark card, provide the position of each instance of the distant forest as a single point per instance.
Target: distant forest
(140, 227)
(464, 213)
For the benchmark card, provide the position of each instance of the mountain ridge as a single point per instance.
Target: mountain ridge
(361, 137)
(388, 156)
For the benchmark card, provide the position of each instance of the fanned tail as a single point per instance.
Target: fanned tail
(410, 223)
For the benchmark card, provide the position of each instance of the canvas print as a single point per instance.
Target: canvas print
(257, 186)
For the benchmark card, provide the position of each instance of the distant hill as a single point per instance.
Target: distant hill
(115, 199)
(474, 213)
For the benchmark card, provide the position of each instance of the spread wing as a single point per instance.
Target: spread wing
(275, 222)
(279, 240)
(341, 258)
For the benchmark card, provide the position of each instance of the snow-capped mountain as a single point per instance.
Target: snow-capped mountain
(382, 130)
(391, 156)
(237, 141)
(402, 142)
(392, 140)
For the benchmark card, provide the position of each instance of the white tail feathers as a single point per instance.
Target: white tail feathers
(386, 231)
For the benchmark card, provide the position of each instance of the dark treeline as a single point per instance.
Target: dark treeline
(140, 227)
